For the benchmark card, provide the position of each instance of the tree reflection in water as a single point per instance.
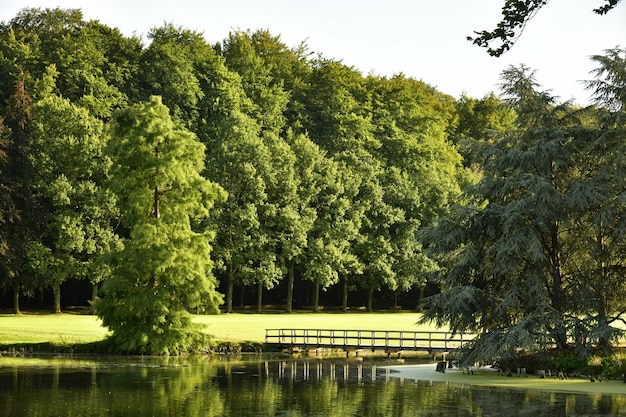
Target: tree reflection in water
(276, 387)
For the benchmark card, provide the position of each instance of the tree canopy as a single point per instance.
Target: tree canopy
(183, 177)
(164, 268)
(534, 259)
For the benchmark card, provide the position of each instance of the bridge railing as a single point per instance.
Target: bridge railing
(366, 339)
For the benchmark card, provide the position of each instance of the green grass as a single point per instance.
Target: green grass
(239, 327)
(71, 329)
(56, 329)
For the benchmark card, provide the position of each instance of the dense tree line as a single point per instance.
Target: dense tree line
(174, 174)
(163, 171)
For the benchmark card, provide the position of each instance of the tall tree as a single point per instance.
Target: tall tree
(62, 38)
(600, 222)
(165, 266)
(77, 213)
(516, 262)
(268, 98)
(20, 213)
(420, 169)
(168, 68)
(328, 191)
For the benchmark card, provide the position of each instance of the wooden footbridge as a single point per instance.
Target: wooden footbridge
(374, 340)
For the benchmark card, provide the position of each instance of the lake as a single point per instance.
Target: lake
(262, 386)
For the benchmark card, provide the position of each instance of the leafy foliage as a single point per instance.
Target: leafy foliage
(515, 16)
(532, 260)
(164, 268)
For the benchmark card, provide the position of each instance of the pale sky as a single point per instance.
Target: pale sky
(424, 39)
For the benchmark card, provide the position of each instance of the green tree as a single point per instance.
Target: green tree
(164, 268)
(77, 213)
(168, 68)
(240, 162)
(420, 171)
(275, 76)
(527, 263)
(478, 117)
(599, 221)
(268, 98)
(327, 190)
(506, 282)
(19, 210)
(288, 217)
(62, 38)
(515, 16)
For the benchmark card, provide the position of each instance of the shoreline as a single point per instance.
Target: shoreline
(489, 378)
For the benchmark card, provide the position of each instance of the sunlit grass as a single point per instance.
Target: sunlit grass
(239, 327)
(70, 329)
(57, 329)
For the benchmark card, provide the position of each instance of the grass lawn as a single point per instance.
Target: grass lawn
(68, 329)
(57, 329)
(251, 327)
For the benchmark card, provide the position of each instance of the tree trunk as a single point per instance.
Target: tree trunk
(370, 299)
(56, 288)
(421, 299)
(290, 279)
(40, 299)
(395, 301)
(316, 295)
(156, 207)
(94, 294)
(344, 300)
(259, 298)
(229, 290)
(16, 299)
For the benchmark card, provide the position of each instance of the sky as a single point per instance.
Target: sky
(423, 39)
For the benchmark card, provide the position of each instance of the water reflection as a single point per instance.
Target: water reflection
(262, 387)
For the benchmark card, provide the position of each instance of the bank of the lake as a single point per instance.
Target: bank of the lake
(62, 332)
(488, 377)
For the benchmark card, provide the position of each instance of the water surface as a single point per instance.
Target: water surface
(262, 387)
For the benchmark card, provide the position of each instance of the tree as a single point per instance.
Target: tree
(267, 96)
(241, 163)
(77, 212)
(534, 259)
(19, 211)
(478, 117)
(6, 206)
(503, 275)
(168, 68)
(288, 217)
(327, 189)
(420, 170)
(515, 16)
(61, 38)
(164, 268)
(600, 222)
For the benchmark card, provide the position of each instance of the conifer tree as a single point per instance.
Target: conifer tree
(164, 269)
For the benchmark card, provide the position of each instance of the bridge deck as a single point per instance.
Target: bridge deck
(389, 341)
